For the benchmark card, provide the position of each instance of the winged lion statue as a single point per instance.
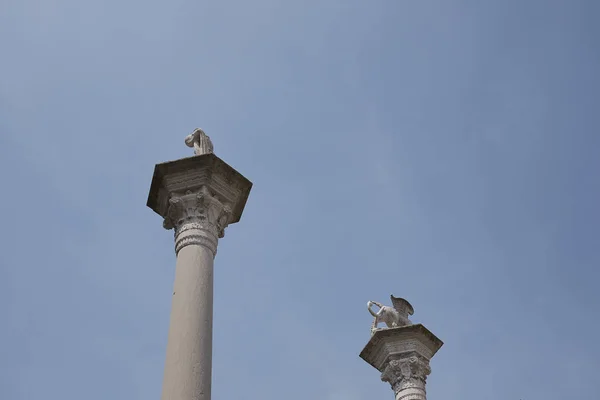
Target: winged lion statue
(394, 316)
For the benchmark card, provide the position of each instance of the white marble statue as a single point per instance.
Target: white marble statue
(200, 142)
(393, 317)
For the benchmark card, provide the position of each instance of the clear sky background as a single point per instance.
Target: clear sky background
(443, 151)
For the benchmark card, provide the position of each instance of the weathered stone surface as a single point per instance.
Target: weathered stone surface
(407, 376)
(393, 342)
(402, 356)
(198, 197)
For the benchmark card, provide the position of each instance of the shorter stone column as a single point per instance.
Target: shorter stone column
(402, 355)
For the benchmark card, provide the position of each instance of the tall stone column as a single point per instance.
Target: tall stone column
(198, 197)
(402, 351)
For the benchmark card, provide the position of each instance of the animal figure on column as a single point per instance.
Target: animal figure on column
(200, 141)
(393, 317)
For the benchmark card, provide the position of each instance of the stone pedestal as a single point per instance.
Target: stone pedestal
(402, 356)
(198, 197)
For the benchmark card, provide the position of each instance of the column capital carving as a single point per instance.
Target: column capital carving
(408, 373)
(198, 218)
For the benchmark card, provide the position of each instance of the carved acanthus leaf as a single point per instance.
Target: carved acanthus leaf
(199, 209)
(406, 373)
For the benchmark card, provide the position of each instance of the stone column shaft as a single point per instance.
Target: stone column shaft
(188, 364)
(199, 219)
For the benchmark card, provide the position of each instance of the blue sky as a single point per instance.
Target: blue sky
(443, 151)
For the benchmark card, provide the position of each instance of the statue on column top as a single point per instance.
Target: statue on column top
(200, 142)
(393, 317)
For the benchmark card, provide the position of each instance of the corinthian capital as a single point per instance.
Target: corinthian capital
(198, 218)
(409, 373)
